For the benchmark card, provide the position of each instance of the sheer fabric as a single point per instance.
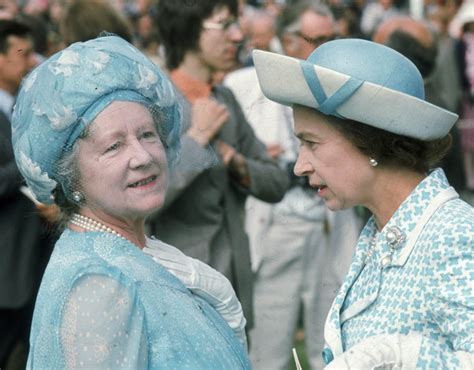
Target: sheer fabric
(102, 326)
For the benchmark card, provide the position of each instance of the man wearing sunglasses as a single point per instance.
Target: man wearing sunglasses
(303, 28)
(300, 250)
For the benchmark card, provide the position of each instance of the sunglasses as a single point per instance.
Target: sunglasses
(316, 41)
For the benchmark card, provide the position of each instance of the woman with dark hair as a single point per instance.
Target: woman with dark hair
(96, 130)
(369, 138)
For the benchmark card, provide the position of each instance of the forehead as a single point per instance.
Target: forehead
(309, 121)
(120, 115)
(19, 44)
(315, 24)
(220, 12)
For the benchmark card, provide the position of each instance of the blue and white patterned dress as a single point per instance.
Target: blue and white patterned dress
(103, 303)
(421, 283)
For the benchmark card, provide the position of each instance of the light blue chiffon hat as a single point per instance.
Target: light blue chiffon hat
(64, 94)
(359, 80)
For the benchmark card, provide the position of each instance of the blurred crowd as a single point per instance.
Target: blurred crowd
(441, 47)
(437, 35)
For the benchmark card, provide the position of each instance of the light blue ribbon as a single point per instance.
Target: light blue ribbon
(328, 105)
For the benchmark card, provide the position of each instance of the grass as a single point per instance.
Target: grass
(300, 350)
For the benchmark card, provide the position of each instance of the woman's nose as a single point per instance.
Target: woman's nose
(139, 156)
(302, 166)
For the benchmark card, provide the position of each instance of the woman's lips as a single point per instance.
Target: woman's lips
(144, 183)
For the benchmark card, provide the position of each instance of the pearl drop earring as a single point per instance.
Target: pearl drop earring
(77, 196)
(373, 162)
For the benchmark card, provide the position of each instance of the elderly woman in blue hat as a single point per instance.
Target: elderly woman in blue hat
(95, 129)
(369, 138)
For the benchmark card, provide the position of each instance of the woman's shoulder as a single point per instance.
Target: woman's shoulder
(77, 251)
(452, 227)
(457, 213)
(80, 254)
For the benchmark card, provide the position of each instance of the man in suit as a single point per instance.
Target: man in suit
(222, 161)
(20, 225)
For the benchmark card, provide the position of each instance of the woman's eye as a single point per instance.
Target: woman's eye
(148, 135)
(113, 147)
(308, 144)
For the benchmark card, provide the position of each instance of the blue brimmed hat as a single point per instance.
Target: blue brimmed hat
(64, 94)
(359, 80)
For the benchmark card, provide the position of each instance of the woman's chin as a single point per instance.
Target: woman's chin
(147, 208)
(334, 205)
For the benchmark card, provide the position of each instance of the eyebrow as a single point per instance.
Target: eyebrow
(305, 135)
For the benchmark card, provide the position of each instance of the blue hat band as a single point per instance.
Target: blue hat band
(98, 106)
(328, 105)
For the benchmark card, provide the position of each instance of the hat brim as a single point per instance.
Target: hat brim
(281, 80)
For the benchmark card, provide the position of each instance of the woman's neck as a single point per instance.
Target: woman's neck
(391, 188)
(131, 229)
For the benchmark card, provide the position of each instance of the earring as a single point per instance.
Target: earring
(373, 162)
(77, 196)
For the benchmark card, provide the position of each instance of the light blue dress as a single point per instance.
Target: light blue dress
(423, 283)
(103, 303)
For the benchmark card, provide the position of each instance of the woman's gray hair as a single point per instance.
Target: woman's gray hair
(69, 179)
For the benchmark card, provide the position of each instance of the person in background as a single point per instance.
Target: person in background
(261, 34)
(445, 76)
(100, 148)
(348, 21)
(223, 162)
(147, 38)
(83, 20)
(368, 137)
(376, 12)
(9, 9)
(300, 249)
(415, 40)
(465, 58)
(23, 251)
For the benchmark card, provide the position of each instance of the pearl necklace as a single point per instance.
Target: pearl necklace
(90, 224)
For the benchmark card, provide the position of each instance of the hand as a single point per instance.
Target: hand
(235, 161)
(226, 152)
(208, 116)
(203, 281)
(274, 150)
(390, 351)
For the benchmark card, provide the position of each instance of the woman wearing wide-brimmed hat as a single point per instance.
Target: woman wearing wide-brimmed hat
(95, 130)
(369, 138)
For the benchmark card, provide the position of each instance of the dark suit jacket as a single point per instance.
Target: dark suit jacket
(20, 228)
(204, 208)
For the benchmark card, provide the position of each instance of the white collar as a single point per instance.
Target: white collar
(6, 103)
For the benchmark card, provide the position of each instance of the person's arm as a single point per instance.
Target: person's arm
(206, 117)
(256, 173)
(103, 325)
